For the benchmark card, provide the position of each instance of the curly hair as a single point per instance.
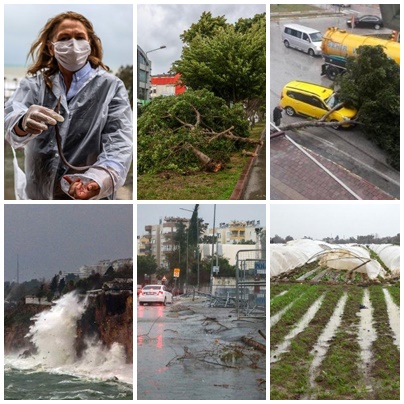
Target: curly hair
(45, 62)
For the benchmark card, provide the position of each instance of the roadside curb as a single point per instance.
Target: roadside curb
(301, 15)
(242, 181)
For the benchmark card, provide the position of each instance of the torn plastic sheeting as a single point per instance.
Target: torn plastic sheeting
(342, 259)
(390, 256)
(293, 254)
(283, 260)
(285, 257)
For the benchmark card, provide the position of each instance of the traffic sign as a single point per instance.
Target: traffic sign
(260, 267)
(176, 272)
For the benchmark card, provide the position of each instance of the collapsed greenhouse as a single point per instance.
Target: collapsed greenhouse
(311, 260)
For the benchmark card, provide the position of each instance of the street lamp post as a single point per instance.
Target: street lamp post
(213, 248)
(149, 61)
(161, 47)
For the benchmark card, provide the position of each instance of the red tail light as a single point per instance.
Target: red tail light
(160, 292)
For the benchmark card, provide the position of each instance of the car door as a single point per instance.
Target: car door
(367, 22)
(315, 107)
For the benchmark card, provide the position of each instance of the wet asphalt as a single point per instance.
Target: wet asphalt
(179, 348)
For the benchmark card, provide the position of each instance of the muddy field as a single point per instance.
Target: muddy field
(335, 341)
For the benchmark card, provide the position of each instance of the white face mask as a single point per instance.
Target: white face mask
(72, 54)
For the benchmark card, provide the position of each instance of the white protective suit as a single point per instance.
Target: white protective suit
(97, 130)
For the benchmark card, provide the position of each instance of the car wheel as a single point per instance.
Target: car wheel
(290, 111)
(286, 43)
(332, 72)
(165, 302)
(377, 26)
(336, 127)
(311, 52)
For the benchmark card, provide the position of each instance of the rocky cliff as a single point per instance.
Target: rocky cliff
(17, 321)
(108, 317)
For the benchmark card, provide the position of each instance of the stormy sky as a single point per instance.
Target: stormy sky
(49, 238)
(162, 24)
(345, 219)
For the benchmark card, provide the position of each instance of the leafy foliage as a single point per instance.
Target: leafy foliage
(168, 124)
(146, 264)
(372, 84)
(207, 26)
(229, 60)
(125, 73)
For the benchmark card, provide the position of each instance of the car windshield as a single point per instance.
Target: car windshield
(332, 100)
(152, 287)
(316, 37)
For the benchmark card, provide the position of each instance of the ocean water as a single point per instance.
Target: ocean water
(39, 385)
(55, 371)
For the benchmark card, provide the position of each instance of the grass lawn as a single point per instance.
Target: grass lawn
(287, 8)
(199, 185)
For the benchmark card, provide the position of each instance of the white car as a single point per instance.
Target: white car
(155, 294)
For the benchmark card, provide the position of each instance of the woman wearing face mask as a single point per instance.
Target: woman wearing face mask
(94, 119)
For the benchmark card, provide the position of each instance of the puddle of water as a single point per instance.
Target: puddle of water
(300, 326)
(280, 294)
(393, 312)
(366, 336)
(321, 347)
(307, 274)
(160, 376)
(276, 317)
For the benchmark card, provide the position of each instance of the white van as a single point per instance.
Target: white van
(303, 38)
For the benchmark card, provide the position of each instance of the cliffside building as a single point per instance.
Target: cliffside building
(102, 266)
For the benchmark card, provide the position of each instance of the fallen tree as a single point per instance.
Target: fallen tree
(193, 131)
(322, 122)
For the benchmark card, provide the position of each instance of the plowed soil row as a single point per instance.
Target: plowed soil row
(357, 354)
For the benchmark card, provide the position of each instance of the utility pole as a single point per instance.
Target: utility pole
(213, 247)
(18, 271)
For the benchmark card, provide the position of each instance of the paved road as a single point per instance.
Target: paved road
(175, 345)
(347, 148)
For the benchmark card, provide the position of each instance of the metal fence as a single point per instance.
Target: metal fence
(250, 296)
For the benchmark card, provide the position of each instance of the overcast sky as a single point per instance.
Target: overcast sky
(149, 214)
(163, 24)
(329, 220)
(112, 23)
(49, 238)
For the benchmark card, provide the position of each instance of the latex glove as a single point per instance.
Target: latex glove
(37, 116)
(81, 190)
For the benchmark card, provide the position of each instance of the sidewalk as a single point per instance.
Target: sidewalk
(217, 319)
(252, 182)
(294, 176)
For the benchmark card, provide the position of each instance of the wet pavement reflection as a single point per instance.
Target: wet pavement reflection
(175, 359)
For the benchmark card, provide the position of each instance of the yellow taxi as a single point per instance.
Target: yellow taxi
(314, 101)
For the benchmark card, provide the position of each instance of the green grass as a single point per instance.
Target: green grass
(199, 185)
(340, 374)
(287, 8)
(395, 293)
(294, 292)
(289, 319)
(291, 374)
(386, 369)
